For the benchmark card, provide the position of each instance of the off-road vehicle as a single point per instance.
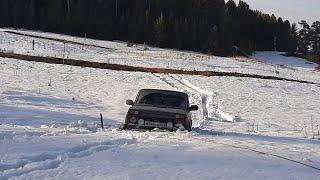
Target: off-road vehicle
(161, 109)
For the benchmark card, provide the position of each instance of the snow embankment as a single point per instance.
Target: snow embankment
(279, 59)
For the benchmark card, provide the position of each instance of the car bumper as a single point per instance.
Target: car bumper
(139, 126)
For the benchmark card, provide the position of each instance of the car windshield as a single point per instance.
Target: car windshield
(163, 100)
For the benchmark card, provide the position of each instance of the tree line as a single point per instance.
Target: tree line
(208, 26)
(308, 38)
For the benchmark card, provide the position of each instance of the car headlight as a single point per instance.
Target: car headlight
(135, 112)
(170, 124)
(178, 122)
(141, 122)
(133, 119)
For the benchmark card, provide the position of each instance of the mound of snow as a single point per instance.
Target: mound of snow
(80, 127)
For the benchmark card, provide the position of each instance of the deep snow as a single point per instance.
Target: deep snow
(54, 132)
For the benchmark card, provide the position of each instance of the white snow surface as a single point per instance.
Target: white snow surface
(50, 116)
(279, 58)
(119, 53)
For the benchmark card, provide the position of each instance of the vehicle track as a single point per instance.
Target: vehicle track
(258, 151)
(210, 110)
(52, 160)
(187, 86)
(214, 113)
(196, 96)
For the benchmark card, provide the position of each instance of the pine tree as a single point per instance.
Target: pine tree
(293, 42)
(200, 25)
(4, 13)
(213, 40)
(19, 13)
(315, 38)
(31, 22)
(186, 34)
(177, 35)
(304, 38)
(160, 30)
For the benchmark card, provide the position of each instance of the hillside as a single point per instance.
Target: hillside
(246, 128)
(207, 26)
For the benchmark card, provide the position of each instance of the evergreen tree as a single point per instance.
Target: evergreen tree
(200, 25)
(4, 13)
(160, 30)
(293, 42)
(19, 13)
(31, 21)
(304, 38)
(213, 40)
(315, 38)
(177, 35)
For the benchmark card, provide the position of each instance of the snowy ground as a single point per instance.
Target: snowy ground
(53, 131)
(119, 53)
(275, 58)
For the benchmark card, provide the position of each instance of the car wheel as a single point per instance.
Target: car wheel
(125, 127)
(188, 126)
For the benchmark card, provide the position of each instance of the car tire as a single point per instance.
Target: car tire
(188, 127)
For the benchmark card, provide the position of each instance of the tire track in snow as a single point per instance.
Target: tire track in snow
(205, 100)
(180, 87)
(227, 116)
(52, 160)
(258, 151)
(210, 110)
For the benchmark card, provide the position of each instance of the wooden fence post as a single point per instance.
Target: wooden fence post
(101, 121)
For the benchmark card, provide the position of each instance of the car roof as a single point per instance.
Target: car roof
(161, 90)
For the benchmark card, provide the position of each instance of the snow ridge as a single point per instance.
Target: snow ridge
(210, 110)
(52, 160)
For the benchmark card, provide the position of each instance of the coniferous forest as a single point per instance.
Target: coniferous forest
(208, 26)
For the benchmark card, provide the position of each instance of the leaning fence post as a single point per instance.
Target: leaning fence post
(101, 121)
(64, 51)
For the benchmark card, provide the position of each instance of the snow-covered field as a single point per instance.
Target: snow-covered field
(119, 53)
(279, 59)
(49, 116)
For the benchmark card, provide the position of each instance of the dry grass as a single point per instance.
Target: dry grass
(118, 67)
(56, 39)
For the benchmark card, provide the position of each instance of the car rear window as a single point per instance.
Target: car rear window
(163, 100)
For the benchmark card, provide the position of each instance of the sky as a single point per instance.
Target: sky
(292, 10)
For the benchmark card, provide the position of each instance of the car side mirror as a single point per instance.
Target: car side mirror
(193, 108)
(129, 102)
